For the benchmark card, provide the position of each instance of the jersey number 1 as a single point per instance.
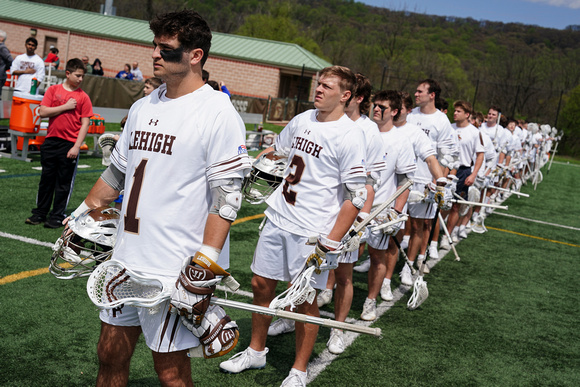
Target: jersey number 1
(131, 220)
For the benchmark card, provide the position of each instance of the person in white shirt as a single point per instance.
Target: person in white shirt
(321, 194)
(401, 165)
(27, 67)
(438, 128)
(470, 145)
(137, 74)
(375, 163)
(181, 160)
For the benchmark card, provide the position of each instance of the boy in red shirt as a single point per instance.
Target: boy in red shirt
(69, 110)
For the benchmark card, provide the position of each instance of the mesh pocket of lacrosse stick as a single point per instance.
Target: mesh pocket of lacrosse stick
(301, 291)
(112, 285)
(420, 294)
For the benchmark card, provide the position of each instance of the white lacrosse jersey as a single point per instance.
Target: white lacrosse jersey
(322, 156)
(489, 148)
(375, 154)
(470, 143)
(400, 160)
(421, 143)
(169, 151)
(439, 130)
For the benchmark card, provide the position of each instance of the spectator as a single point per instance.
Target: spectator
(97, 68)
(52, 58)
(69, 110)
(125, 73)
(88, 66)
(5, 60)
(137, 74)
(214, 85)
(28, 66)
(151, 84)
(225, 89)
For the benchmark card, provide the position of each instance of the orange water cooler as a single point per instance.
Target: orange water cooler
(25, 117)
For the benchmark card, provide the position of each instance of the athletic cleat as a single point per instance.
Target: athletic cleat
(468, 226)
(433, 253)
(295, 379)
(386, 293)
(324, 297)
(405, 275)
(454, 237)
(336, 343)
(246, 360)
(363, 267)
(369, 312)
(281, 326)
(462, 233)
(444, 244)
(35, 220)
(426, 270)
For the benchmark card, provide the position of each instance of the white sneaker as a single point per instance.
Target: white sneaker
(444, 244)
(336, 343)
(386, 293)
(405, 275)
(426, 270)
(462, 233)
(363, 267)
(295, 379)
(324, 297)
(433, 253)
(454, 237)
(281, 326)
(246, 360)
(369, 312)
(468, 226)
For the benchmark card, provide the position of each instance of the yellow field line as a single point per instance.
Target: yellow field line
(531, 236)
(31, 273)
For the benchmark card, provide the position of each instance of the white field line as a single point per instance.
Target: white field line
(536, 221)
(25, 239)
(316, 366)
(569, 164)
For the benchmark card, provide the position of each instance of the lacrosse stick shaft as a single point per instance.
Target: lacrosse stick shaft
(449, 237)
(380, 208)
(513, 192)
(402, 218)
(553, 155)
(479, 204)
(431, 233)
(296, 317)
(407, 261)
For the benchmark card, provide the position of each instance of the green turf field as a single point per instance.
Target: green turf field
(505, 315)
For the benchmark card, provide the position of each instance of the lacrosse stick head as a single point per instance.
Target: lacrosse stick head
(420, 294)
(473, 194)
(301, 291)
(112, 285)
(478, 227)
(266, 175)
(87, 241)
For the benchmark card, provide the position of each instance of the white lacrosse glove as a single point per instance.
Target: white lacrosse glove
(439, 190)
(447, 161)
(217, 333)
(323, 257)
(479, 182)
(392, 216)
(353, 243)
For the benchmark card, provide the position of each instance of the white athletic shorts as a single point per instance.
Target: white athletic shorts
(162, 330)
(378, 241)
(422, 210)
(348, 257)
(281, 256)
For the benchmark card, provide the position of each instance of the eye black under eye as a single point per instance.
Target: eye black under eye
(173, 55)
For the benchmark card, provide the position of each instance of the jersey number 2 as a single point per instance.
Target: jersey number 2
(131, 220)
(293, 179)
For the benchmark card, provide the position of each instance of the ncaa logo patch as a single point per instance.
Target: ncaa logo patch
(242, 149)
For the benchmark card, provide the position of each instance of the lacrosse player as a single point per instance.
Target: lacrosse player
(438, 128)
(424, 150)
(181, 160)
(321, 194)
(401, 164)
(470, 144)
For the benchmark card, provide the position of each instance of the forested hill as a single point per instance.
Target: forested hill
(523, 68)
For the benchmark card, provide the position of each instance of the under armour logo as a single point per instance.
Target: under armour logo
(153, 122)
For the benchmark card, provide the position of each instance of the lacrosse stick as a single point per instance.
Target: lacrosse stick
(301, 290)
(402, 218)
(449, 237)
(553, 155)
(478, 227)
(407, 261)
(512, 192)
(420, 291)
(111, 285)
(477, 204)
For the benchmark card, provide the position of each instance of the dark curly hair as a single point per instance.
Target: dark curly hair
(188, 26)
